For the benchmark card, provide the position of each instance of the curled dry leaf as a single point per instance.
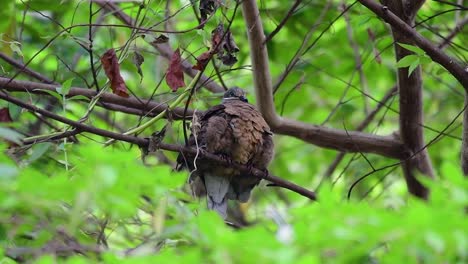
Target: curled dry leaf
(202, 61)
(207, 7)
(111, 66)
(224, 45)
(175, 75)
(229, 44)
(138, 60)
(217, 38)
(5, 116)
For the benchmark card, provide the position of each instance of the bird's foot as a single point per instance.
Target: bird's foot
(226, 158)
(266, 173)
(250, 168)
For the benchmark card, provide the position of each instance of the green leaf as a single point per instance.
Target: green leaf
(440, 71)
(65, 88)
(52, 93)
(407, 61)
(412, 48)
(38, 150)
(425, 59)
(79, 97)
(413, 66)
(11, 135)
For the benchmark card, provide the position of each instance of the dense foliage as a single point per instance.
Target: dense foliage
(75, 200)
(42, 202)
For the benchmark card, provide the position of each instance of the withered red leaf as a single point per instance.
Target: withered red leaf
(223, 44)
(230, 45)
(217, 38)
(202, 61)
(5, 115)
(175, 75)
(111, 66)
(207, 7)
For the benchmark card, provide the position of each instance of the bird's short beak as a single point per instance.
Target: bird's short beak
(243, 99)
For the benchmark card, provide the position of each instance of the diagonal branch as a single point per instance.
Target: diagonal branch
(458, 71)
(143, 143)
(21, 67)
(353, 141)
(130, 105)
(283, 22)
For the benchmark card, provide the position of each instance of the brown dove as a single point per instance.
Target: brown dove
(235, 130)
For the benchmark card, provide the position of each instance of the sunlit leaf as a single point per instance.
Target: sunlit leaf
(412, 48)
(65, 88)
(407, 61)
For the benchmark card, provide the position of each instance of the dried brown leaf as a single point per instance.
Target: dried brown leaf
(207, 7)
(138, 60)
(202, 61)
(111, 66)
(175, 75)
(5, 115)
(223, 44)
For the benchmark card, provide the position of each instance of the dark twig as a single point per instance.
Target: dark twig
(111, 101)
(90, 48)
(431, 50)
(283, 22)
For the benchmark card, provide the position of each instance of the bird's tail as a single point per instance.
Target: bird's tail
(216, 190)
(239, 191)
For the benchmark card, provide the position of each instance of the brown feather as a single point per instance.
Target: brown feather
(238, 131)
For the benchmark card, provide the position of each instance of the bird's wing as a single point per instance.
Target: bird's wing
(254, 146)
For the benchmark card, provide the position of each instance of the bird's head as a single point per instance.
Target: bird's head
(235, 93)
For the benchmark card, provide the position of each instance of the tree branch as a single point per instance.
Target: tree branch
(411, 103)
(111, 101)
(24, 69)
(283, 22)
(143, 143)
(458, 71)
(464, 147)
(390, 94)
(320, 136)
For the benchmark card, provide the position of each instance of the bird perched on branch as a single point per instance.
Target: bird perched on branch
(234, 130)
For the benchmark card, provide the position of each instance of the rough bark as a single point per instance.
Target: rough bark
(411, 103)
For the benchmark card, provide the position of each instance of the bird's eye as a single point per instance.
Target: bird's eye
(243, 99)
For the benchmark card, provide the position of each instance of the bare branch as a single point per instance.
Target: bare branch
(283, 22)
(390, 94)
(20, 66)
(320, 136)
(464, 147)
(458, 71)
(143, 143)
(130, 105)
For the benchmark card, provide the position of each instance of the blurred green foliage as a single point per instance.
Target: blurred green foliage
(149, 218)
